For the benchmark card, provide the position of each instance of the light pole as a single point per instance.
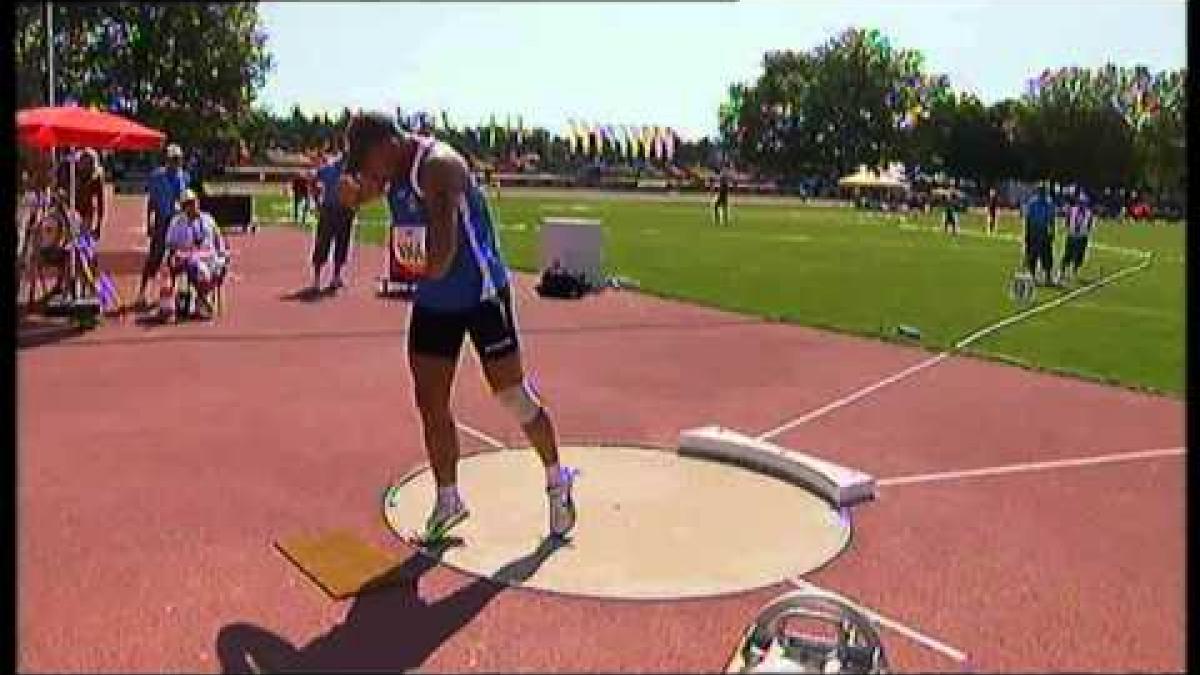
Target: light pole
(50, 52)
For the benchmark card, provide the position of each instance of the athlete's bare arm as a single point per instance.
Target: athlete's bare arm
(444, 182)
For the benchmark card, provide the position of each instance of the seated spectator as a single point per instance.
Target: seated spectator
(195, 248)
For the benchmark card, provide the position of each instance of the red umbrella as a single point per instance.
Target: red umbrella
(72, 125)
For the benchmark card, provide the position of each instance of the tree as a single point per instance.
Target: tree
(192, 69)
(853, 100)
(1085, 126)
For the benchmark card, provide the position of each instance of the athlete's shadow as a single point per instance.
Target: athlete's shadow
(309, 294)
(390, 628)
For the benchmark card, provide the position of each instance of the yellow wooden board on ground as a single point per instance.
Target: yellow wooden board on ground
(341, 563)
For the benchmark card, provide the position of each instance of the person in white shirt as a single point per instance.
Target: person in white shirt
(195, 247)
(1080, 221)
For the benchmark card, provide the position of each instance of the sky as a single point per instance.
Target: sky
(669, 63)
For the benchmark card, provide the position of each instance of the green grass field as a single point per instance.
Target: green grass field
(867, 273)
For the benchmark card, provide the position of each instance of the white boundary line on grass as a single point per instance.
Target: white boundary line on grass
(1023, 467)
(1053, 303)
(934, 360)
(908, 632)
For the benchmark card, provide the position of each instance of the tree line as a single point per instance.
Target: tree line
(858, 100)
(195, 69)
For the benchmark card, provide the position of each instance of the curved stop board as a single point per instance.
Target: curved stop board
(841, 486)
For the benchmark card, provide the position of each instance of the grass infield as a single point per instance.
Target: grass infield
(867, 273)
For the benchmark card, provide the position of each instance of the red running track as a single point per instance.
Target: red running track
(157, 465)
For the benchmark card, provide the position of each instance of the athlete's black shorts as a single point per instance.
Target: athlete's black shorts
(491, 325)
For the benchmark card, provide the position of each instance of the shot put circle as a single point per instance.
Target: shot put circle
(653, 525)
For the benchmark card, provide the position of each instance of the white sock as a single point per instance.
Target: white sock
(554, 476)
(447, 496)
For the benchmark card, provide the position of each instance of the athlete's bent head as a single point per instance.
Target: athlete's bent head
(375, 150)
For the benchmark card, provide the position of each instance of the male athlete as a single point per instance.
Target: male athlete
(464, 290)
(993, 206)
(721, 204)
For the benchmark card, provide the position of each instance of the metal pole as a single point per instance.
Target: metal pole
(50, 78)
(50, 51)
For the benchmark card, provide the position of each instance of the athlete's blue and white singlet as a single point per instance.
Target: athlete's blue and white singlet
(477, 273)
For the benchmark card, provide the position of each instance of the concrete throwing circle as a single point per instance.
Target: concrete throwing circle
(652, 524)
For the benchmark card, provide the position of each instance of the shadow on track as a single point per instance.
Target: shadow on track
(390, 628)
(309, 294)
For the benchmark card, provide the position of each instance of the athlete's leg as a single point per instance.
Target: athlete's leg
(494, 334)
(503, 375)
(433, 377)
(434, 340)
(493, 331)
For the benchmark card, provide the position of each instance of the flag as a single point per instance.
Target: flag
(572, 137)
(585, 138)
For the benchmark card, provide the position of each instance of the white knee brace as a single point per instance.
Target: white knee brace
(522, 401)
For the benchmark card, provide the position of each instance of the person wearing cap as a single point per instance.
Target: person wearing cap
(164, 188)
(1080, 221)
(195, 246)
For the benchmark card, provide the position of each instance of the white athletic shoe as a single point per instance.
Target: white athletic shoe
(562, 505)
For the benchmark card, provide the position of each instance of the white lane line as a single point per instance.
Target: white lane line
(908, 632)
(1030, 466)
(851, 398)
(1103, 281)
(475, 433)
(934, 360)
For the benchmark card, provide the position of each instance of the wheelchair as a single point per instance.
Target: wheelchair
(829, 636)
(189, 296)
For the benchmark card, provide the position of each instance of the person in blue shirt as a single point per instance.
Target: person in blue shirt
(334, 225)
(464, 289)
(163, 190)
(1039, 235)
